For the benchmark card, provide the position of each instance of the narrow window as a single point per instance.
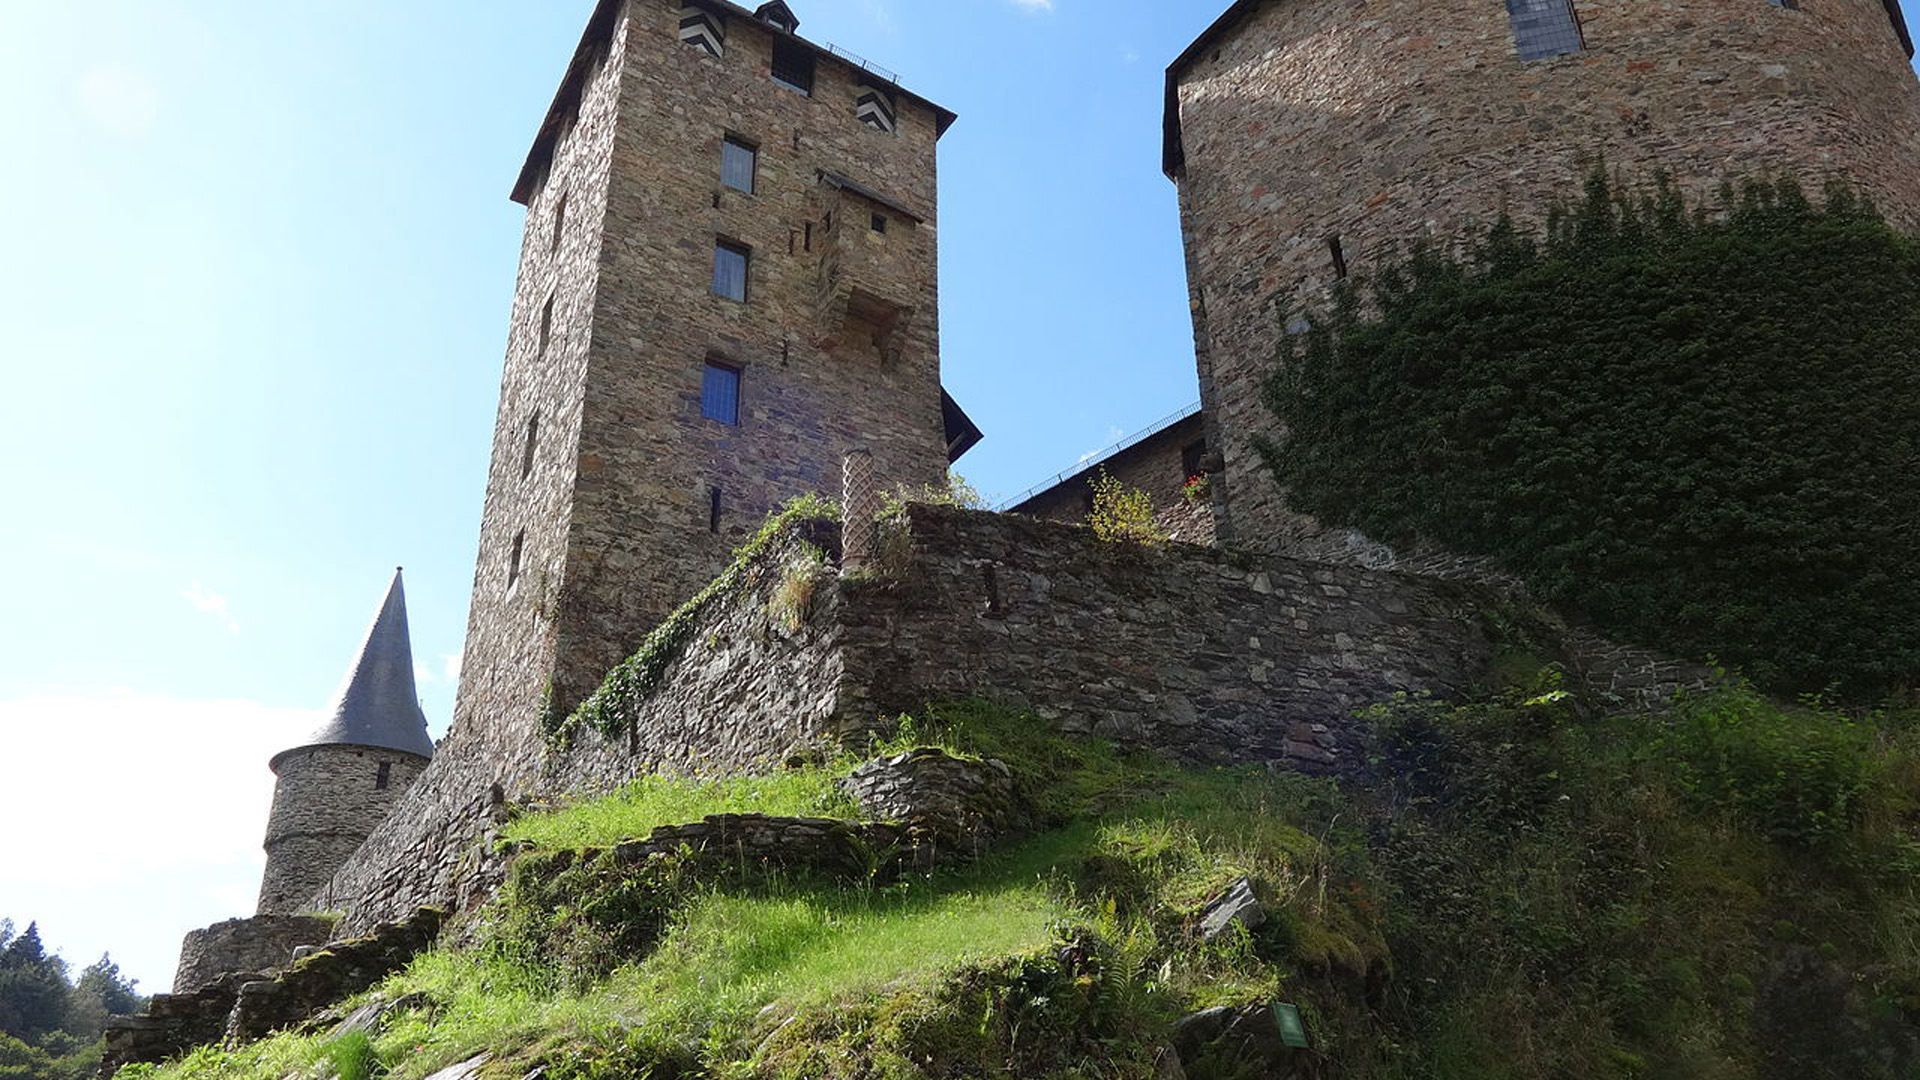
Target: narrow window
(713, 511)
(730, 263)
(1790, 5)
(513, 558)
(546, 325)
(879, 223)
(1543, 28)
(559, 221)
(808, 241)
(384, 777)
(1339, 257)
(793, 66)
(720, 393)
(738, 160)
(533, 440)
(1190, 458)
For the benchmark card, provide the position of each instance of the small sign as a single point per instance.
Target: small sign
(1292, 1031)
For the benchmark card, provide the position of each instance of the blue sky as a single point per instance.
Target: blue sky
(255, 288)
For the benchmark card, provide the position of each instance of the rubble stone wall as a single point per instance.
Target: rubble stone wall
(1376, 123)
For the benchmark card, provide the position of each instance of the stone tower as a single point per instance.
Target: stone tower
(727, 280)
(1309, 137)
(332, 791)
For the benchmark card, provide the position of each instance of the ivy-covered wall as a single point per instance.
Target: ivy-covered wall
(1703, 429)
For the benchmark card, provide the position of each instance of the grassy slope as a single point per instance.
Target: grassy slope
(1526, 891)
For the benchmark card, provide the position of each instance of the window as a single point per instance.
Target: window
(879, 223)
(1339, 257)
(737, 161)
(1192, 458)
(730, 270)
(720, 393)
(793, 66)
(384, 777)
(513, 558)
(713, 511)
(1543, 28)
(1791, 5)
(533, 440)
(546, 324)
(559, 221)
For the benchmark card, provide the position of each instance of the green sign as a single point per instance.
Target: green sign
(1292, 1031)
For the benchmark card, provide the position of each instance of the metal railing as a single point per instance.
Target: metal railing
(864, 64)
(1102, 457)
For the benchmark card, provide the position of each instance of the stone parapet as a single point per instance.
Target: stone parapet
(262, 943)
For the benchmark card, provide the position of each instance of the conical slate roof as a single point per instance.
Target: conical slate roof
(378, 706)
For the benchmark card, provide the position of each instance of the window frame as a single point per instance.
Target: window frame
(1527, 41)
(795, 52)
(752, 151)
(738, 376)
(724, 246)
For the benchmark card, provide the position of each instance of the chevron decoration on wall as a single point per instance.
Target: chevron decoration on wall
(874, 106)
(703, 30)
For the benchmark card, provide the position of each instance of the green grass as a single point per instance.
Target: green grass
(645, 804)
(1524, 891)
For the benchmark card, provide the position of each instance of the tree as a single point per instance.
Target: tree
(33, 988)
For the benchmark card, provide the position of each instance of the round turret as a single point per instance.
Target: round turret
(332, 792)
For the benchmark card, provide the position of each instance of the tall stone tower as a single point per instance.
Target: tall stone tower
(1310, 137)
(727, 280)
(334, 790)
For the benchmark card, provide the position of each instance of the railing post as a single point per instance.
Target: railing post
(859, 506)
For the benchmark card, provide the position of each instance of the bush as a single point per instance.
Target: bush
(1699, 431)
(1801, 776)
(1122, 514)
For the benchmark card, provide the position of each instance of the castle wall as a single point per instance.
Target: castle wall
(1382, 121)
(261, 944)
(616, 519)
(813, 385)
(1216, 656)
(1157, 465)
(326, 802)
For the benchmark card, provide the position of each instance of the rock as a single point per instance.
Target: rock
(372, 1016)
(1233, 1039)
(466, 1070)
(1236, 907)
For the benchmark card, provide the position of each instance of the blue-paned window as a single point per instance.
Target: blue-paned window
(737, 161)
(1543, 28)
(720, 394)
(730, 270)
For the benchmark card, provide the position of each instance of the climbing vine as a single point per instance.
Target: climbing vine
(1699, 426)
(628, 686)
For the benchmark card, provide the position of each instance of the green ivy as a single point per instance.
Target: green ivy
(613, 706)
(1701, 430)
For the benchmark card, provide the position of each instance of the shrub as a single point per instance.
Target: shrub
(1699, 431)
(1122, 514)
(1799, 775)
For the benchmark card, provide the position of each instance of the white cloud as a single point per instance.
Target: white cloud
(119, 101)
(134, 818)
(1033, 6)
(450, 667)
(205, 599)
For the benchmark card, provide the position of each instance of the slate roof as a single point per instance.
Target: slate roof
(378, 706)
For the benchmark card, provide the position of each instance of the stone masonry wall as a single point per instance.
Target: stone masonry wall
(326, 801)
(605, 473)
(1156, 465)
(262, 943)
(814, 381)
(1378, 122)
(1215, 656)
(1212, 655)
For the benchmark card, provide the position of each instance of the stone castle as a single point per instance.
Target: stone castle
(728, 284)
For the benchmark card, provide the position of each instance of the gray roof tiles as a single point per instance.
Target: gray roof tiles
(378, 706)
